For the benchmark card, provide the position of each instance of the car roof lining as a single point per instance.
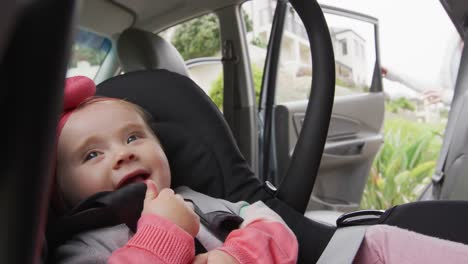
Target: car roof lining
(149, 15)
(117, 17)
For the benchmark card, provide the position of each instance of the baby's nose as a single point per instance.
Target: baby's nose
(123, 158)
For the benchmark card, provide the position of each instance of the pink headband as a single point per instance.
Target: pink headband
(77, 90)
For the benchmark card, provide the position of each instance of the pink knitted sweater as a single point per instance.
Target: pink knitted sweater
(262, 238)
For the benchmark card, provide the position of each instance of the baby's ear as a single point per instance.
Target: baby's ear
(77, 90)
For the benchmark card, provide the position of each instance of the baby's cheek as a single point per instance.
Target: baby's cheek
(164, 172)
(167, 175)
(66, 188)
(87, 186)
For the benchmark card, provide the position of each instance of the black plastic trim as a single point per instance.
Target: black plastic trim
(267, 96)
(32, 78)
(297, 185)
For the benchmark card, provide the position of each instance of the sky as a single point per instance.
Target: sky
(413, 34)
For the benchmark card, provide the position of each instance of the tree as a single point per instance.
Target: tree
(248, 21)
(198, 37)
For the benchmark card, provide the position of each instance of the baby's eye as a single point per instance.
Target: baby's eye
(132, 138)
(91, 155)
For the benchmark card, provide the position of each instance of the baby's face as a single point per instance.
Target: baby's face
(104, 146)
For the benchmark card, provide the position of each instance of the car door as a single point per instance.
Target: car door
(354, 135)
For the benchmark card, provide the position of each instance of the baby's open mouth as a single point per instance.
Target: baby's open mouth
(137, 176)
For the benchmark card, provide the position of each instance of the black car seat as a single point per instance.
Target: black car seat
(442, 219)
(199, 144)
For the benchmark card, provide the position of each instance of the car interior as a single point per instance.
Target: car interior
(306, 160)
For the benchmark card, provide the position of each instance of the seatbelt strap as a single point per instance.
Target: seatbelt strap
(344, 245)
(457, 106)
(439, 172)
(229, 65)
(440, 167)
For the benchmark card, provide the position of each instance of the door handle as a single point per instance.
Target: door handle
(346, 149)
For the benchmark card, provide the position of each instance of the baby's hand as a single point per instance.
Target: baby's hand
(215, 257)
(171, 207)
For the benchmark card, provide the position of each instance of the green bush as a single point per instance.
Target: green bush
(198, 37)
(341, 82)
(259, 42)
(396, 105)
(404, 164)
(248, 21)
(216, 91)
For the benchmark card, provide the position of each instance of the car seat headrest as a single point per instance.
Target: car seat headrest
(142, 50)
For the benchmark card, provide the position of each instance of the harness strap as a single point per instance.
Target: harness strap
(219, 217)
(344, 245)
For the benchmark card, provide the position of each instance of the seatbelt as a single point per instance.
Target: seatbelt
(344, 245)
(229, 64)
(439, 174)
(347, 239)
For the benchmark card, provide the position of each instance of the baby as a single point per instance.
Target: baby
(104, 144)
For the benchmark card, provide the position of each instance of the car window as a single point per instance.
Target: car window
(355, 54)
(198, 41)
(88, 53)
(353, 44)
(257, 17)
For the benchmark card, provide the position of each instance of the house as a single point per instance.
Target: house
(349, 46)
(349, 49)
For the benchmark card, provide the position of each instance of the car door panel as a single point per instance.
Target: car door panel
(353, 140)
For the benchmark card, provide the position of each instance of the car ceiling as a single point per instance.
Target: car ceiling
(457, 10)
(110, 17)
